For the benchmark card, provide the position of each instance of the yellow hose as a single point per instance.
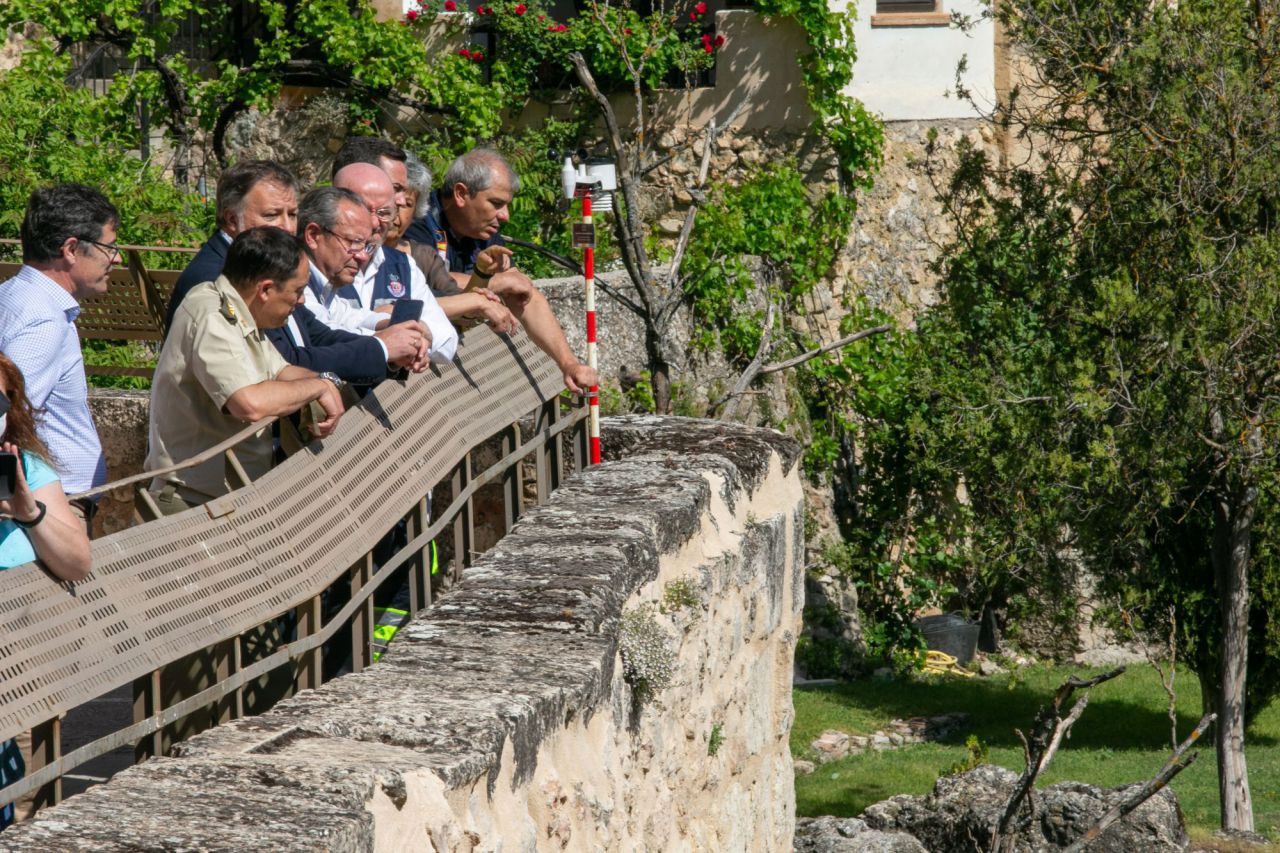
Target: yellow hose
(941, 663)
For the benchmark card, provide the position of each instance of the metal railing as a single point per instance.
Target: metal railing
(198, 581)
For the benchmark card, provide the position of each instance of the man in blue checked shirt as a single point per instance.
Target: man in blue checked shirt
(68, 248)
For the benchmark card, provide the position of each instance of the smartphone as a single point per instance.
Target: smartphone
(8, 475)
(405, 310)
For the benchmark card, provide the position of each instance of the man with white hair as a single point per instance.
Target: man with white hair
(388, 275)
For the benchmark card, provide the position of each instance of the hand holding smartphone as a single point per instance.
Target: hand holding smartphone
(405, 310)
(8, 475)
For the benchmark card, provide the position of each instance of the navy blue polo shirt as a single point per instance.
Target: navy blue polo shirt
(433, 229)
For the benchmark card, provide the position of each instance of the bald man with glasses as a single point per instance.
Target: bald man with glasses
(388, 275)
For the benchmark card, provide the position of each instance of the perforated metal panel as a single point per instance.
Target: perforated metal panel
(184, 582)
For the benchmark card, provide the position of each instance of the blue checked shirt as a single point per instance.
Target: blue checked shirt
(38, 332)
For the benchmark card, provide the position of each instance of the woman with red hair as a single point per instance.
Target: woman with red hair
(36, 522)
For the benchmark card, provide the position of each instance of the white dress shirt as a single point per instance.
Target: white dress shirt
(336, 311)
(444, 337)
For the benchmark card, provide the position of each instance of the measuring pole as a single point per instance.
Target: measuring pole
(589, 273)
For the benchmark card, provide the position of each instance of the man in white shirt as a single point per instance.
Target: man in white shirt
(386, 275)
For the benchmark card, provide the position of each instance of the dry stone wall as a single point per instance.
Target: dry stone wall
(501, 719)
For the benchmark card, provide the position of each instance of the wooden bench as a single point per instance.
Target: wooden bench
(132, 309)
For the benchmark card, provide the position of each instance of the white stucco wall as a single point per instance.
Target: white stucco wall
(905, 73)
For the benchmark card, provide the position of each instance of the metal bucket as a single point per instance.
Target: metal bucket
(951, 634)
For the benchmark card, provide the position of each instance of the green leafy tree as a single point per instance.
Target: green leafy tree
(58, 133)
(1101, 374)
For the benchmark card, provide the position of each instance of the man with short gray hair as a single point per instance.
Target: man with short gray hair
(462, 221)
(336, 228)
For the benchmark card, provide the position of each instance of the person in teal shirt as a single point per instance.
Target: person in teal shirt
(36, 524)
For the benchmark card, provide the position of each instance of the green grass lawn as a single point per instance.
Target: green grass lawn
(1122, 737)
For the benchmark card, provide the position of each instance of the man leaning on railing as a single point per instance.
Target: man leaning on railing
(217, 371)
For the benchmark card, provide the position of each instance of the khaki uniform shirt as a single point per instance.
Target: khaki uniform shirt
(207, 357)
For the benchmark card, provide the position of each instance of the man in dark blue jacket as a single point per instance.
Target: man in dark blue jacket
(260, 192)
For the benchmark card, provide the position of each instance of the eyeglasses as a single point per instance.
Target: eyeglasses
(384, 214)
(111, 250)
(352, 247)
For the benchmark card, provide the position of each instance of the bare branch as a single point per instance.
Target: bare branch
(712, 132)
(1050, 730)
(749, 374)
(631, 243)
(825, 348)
(1175, 765)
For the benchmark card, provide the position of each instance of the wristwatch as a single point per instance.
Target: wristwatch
(330, 376)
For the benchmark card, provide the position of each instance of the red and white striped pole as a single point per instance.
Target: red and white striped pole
(589, 273)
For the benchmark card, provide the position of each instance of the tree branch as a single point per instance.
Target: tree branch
(825, 348)
(634, 255)
(749, 374)
(1172, 767)
(713, 131)
(1050, 730)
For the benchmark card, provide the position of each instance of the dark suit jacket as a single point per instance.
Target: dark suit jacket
(355, 358)
(205, 266)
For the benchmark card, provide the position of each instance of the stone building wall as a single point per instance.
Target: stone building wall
(504, 718)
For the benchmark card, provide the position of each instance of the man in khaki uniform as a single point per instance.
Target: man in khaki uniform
(218, 372)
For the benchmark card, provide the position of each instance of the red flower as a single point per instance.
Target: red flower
(411, 15)
(708, 48)
(450, 6)
(693, 16)
(719, 41)
(706, 38)
(478, 56)
(626, 31)
(521, 9)
(551, 28)
(701, 8)
(464, 53)
(542, 17)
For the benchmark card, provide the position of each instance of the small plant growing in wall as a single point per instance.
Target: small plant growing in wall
(648, 660)
(681, 594)
(716, 739)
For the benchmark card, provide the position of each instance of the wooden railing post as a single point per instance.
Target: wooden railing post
(147, 703)
(227, 662)
(362, 621)
(464, 531)
(581, 448)
(310, 664)
(512, 480)
(46, 748)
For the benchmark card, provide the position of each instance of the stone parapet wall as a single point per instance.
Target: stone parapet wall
(501, 719)
(121, 418)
